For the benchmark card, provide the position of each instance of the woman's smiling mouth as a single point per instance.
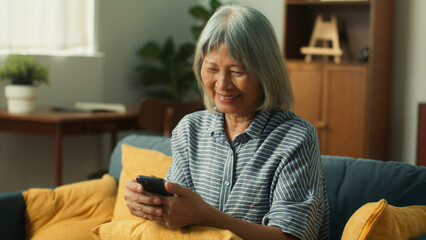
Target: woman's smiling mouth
(228, 97)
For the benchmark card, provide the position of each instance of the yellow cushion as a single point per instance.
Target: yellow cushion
(153, 230)
(137, 161)
(379, 220)
(69, 210)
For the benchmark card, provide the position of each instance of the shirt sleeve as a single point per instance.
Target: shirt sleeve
(297, 199)
(178, 171)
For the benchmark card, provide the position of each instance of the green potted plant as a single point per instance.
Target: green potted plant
(167, 70)
(24, 75)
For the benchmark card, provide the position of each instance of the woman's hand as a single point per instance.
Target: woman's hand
(186, 209)
(142, 203)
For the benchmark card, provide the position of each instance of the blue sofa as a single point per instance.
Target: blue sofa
(350, 184)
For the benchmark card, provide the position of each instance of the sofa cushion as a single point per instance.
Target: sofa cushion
(137, 161)
(379, 220)
(157, 143)
(351, 183)
(150, 230)
(69, 210)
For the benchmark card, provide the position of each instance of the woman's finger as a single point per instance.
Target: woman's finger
(147, 209)
(175, 188)
(134, 186)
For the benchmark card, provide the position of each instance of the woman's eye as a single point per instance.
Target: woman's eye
(237, 72)
(212, 69)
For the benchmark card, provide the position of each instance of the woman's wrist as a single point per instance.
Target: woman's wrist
(215, 218)
(209, 216)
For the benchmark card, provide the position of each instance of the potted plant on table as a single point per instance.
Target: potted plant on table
(24, 75)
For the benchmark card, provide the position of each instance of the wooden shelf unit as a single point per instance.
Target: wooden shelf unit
(349, 103)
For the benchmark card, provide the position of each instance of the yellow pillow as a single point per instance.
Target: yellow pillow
(137, 161)
(69, 211)
(379, 220)
(154, 230)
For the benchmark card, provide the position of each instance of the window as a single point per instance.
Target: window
(57, 27)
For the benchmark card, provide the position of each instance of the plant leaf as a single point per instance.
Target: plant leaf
(154, 76)
(159, 93)
(150, 50)
(200, 12)
(168, 49)
(185, 51)
(214, 4)
(196, 31)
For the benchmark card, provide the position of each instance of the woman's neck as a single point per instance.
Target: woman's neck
(235, 125)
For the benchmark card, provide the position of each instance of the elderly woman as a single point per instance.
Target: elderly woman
(246, 164)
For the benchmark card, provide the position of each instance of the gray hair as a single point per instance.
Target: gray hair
(249, 38)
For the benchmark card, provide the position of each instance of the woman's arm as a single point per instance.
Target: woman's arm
(246, 230)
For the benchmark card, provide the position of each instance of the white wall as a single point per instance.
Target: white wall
(124, 26)
(409, 78)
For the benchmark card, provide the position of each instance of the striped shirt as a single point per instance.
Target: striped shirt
(271, 174)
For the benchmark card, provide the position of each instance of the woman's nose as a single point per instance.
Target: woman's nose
(223, 80)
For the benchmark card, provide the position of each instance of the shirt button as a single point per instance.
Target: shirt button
(227, 183)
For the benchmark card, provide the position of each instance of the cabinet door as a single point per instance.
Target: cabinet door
(333, 98)
(345, 103)
(307, 84)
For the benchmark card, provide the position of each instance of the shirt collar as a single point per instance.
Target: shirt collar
(253, 131)
(216, 128)
(258, 125)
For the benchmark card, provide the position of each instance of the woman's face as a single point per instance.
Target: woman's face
(229, 85)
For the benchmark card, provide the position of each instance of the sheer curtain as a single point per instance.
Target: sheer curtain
(45, 26)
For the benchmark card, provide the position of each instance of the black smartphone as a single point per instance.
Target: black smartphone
(153, 184)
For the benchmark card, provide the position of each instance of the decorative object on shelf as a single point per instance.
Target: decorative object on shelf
(324, 31)
(24, 75)
(167, 68)
(364, 54)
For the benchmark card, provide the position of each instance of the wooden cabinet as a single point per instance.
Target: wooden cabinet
(349, 103)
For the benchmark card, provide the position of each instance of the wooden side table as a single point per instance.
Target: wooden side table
(44, 121)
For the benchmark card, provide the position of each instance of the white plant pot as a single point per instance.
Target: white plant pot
(21, 98)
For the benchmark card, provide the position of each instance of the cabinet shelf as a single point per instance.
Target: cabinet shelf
(325, 2)
(321, 61)
(353, 21)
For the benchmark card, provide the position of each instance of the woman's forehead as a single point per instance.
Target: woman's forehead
(212, 53)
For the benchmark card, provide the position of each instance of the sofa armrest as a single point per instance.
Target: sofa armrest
(12, 215)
